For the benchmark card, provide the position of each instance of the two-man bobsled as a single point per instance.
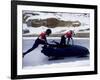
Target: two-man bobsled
(65, 51)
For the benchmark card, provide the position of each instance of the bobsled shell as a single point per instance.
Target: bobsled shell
(68, 51)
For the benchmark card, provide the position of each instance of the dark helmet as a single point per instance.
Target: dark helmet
(48, 31)
(71, 31)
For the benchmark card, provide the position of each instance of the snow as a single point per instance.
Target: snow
(36, 59)
(84, 18)
(55, 30)
(43, 16)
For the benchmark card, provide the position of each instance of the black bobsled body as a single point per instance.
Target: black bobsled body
(68, 51)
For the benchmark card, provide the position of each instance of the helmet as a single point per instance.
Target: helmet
(71, 31)
(48, 31)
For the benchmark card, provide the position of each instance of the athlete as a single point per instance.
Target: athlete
(40, 40)
(68, 35)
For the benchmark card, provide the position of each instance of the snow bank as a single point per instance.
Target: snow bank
(84, 18)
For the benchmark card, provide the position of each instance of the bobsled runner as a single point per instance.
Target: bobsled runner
(65, 51)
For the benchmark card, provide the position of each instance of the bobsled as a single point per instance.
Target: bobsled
(66, 51)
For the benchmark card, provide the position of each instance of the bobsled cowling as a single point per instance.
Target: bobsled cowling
(65, 51)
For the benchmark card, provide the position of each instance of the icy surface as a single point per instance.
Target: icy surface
(38, 59)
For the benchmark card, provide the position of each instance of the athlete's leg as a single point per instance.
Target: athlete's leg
(63, 40)
(72, 41)
(37, 42)
(68, 40)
